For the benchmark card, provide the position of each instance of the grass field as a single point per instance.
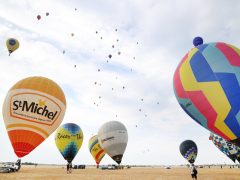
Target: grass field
(55, 173)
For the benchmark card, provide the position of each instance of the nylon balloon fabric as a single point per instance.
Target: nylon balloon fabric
(206, 85)
(189, 150)
(113, 138)
(68, 139)
(229, 149)
(95, 149)
(33, 109)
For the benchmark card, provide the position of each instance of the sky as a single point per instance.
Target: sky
(152, 37)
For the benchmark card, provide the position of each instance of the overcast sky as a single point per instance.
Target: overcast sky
(152, 37)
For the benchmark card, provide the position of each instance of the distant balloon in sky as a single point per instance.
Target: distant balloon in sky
(113, 138)
(197, 41)
(12, 45)
(68, 139)
(110, 56)
(189, 150)
(72, 34)
(47, 13)
(95, 149)
(33, 108)
(206, 85)
(38, 17)
(229, 149)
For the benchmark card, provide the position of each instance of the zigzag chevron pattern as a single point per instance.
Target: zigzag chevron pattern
(206, 85)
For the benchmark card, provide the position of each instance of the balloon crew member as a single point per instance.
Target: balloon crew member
(193, 171)
(68, 167)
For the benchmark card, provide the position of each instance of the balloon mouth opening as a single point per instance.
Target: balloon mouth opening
(69, 161)
(22, 149)
(21, 152)
(10, 51)
(191, 161)
(118, 158)
(235, 142)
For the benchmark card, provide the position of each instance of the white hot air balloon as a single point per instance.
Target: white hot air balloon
(113, 138)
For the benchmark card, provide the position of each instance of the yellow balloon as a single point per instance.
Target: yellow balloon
(12, 45)
(95, 149)
(68, 139)
(33, 108)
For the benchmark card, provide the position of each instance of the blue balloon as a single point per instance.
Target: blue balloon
(197, 41)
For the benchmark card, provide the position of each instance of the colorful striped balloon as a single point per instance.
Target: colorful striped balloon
(206, 85)
(33, 108)
(95, 149)
(68, 139)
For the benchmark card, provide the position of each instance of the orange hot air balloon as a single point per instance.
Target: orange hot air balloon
(33, 108)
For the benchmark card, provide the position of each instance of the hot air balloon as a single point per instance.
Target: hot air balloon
(229, 149)
(12, 45)
(206, 85)
(95, 149)
(113, 138)
(38, 17)
(189, 150)
(68, 139)
(33, 108)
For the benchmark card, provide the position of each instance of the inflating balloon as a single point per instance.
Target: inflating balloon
(95, 149)
(206, 85)
(229, 149)
(189, 150)
(68, 139)
(12, 45)
(33, 108)
(113, 138)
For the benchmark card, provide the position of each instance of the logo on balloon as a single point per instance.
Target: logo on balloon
(65, 136)
(38, 109)
(107, 139)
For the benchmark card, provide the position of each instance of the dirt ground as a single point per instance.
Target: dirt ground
(56, 173)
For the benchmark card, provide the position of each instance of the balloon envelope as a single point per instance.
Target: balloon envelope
(68, 139)
(33, 108)
(206, 85)
(197, 41)
(12, 45)
(229, 149)
(113, 138)
(95, 149)
(189, 150)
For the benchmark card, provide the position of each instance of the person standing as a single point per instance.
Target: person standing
(193, 171)
(68, 166)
